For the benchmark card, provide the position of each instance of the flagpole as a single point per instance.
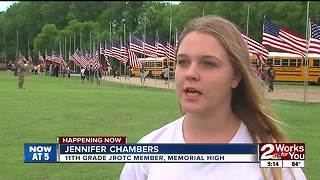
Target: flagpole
(4, 46)
(65, 48)
(17, 53)
(170, 24)
(306, 64)
(248, 16)
(144, 41)
(129, 58)
(74, 50)
(60, 66)
(170, 27)
(69, 52)
(110, 41)
(28, 49)
(99, 43)
(80, 41)
(261, 43)
(124, 40)
(110, 31)
(157, 40)
(120, 60)
(74, 42)
(51, 56)
(175, 37)
(90, 49)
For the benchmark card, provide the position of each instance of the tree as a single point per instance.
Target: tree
(47, 39)
(86, 10)
(55, 13)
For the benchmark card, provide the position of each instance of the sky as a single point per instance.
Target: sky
(4, 5)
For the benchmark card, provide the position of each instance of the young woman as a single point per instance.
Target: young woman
(221, 101)
(142, 75)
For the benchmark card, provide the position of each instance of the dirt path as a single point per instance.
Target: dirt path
(313, 94)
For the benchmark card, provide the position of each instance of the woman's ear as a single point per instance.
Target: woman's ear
(237, 76)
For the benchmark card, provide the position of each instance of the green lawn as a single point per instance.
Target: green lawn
(51, 107)
(295, 85)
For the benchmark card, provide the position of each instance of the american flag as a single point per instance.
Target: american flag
(58, 59)
(282, 39)
(170, 51)
(95, 59)
(87, 58)
(256, 48)
(295, 41)
(61, 61)
(124, 52)
(136, 45)
(149, 48)
(40, 58)
(133, 59)
(54, 58)
(79, 58)
(71, 58)
(161, 49)
(107, 61)
(102, 51)
(48, 58)
(107, 50)
(30, 58)
(314, 46)
(116, 51)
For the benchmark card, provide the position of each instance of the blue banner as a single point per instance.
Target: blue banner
(158, 148)
(40, 153)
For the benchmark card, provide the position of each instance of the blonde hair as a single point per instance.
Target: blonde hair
(248, 100)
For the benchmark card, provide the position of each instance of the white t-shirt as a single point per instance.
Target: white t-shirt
(82, 72)
(172, 133)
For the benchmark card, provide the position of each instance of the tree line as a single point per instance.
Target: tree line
(33, 27)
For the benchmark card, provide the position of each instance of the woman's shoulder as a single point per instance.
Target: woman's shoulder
(169, 133)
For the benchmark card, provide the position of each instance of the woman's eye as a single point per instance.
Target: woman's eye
(182, 62)
(208, 64)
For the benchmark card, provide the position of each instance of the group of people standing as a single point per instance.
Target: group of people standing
(89, 73)
(165, 74)
(53, 69)
(22, 66)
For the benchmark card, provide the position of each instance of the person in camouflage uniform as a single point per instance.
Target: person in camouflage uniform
(23, 66)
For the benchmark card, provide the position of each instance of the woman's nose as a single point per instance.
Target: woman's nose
(192, 73)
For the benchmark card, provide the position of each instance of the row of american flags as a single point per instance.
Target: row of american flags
(54, 58)
(85, 59)
(273, 36)
(282, 39)
(147, 46)
(121, 51)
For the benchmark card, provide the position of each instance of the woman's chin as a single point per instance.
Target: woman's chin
(191, 108)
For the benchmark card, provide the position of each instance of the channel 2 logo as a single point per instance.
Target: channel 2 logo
(282, 151)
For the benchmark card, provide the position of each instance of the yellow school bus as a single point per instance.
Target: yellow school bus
(154, 66)
(292, 67)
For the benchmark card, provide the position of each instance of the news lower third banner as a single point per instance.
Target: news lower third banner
(115, 150)
(140, 153)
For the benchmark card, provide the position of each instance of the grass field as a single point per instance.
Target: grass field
(295, 85)
(51, 107)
